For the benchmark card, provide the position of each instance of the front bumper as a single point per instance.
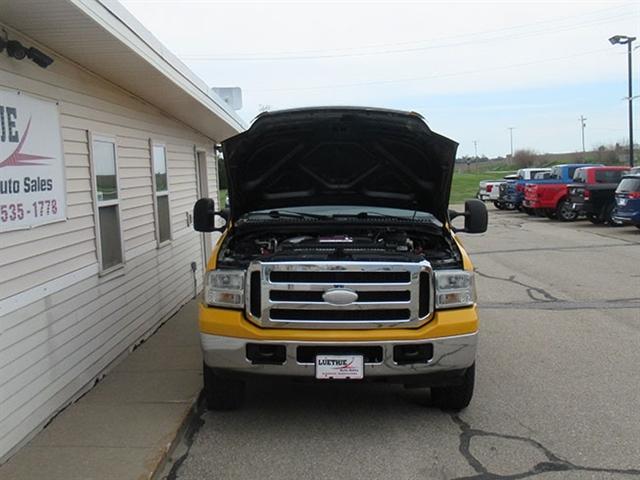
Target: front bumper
(452, 353)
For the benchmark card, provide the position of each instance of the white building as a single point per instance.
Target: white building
(102, 156)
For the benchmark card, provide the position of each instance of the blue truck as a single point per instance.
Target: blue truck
(512, 191)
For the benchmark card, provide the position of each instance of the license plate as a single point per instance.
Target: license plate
(622, 202)
(340, 367)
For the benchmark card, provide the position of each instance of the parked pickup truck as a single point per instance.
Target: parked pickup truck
(338, 260)
(593, 192)
(627, 209)
(512, 191)
(549, 197)
(489, 190)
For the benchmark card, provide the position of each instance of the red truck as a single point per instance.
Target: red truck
(550, 196)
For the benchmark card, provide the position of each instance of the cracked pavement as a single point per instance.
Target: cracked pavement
(557, 385)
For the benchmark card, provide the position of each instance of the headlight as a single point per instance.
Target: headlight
(454, 288)
(225, 288)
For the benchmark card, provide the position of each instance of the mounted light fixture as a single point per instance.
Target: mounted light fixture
(16, 50)
(39, 58)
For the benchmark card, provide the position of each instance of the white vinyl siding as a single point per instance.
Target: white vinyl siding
(62, 324)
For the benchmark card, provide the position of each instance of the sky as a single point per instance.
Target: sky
(472, 69)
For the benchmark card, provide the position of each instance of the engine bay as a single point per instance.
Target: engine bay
(347, 244)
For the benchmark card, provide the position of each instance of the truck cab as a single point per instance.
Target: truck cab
(593, 192)
(338, 260)
(550, 196)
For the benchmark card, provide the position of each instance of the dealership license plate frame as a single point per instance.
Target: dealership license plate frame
(351, 369)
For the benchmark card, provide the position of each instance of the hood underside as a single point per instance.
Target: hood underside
(339, 156)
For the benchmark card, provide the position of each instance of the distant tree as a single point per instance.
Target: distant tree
(524, 158)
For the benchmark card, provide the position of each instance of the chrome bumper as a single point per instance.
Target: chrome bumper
(449, 353)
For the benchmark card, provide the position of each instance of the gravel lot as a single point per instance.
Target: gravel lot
(557, 388)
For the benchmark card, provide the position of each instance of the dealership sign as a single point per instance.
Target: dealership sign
(32, 185)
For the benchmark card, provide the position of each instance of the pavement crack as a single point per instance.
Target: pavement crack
(546, 296)
(195, 424)
(554, 462)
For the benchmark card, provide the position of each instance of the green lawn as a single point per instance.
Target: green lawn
(465, 185)
(222, 197)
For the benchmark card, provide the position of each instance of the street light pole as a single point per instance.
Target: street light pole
(626, 40)
(629, 56)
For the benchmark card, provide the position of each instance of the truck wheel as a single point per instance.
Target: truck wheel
(564, 211)
(221, 393)
(498, 205)
(529, 211)
(457, 397)
(510, 206)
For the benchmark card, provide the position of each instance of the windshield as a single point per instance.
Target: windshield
(580, 176)
(629, 185)
(338, 211)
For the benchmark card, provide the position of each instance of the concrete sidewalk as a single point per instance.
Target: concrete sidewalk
(126, 425)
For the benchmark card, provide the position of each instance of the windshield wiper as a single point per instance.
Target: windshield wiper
(292, 214)
(368, 214)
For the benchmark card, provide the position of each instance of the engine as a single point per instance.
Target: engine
(385, 244)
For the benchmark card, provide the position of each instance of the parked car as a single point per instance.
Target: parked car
(593, 192)
(489, 190)
(549, 196)
(627, 209)
(328, 273)
(512, 191)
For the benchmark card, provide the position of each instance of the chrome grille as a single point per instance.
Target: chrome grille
(298, 294)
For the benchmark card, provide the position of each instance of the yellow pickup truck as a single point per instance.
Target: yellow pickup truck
(338, 261)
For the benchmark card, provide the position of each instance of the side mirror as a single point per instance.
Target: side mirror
(204, 216)
(475, 216)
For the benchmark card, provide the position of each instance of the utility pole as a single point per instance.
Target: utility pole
(511, 140)
(582, 125)
(475, 149)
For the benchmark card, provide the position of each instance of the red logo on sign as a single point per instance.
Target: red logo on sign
(19, 159)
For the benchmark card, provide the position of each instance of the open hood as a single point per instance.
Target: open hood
(339, 156)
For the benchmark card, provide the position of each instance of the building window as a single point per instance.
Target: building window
(107, 197)
(161, 193)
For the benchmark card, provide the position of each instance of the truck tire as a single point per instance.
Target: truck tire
(564, 211)
(221, 393)
(594, 218)
(498, 205)
(456, 397)
(608, 215)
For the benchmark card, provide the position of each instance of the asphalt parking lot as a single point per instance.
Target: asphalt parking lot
(557, 389)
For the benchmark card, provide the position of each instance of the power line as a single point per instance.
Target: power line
(416, 42)
(430, 77)
(512, 36)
